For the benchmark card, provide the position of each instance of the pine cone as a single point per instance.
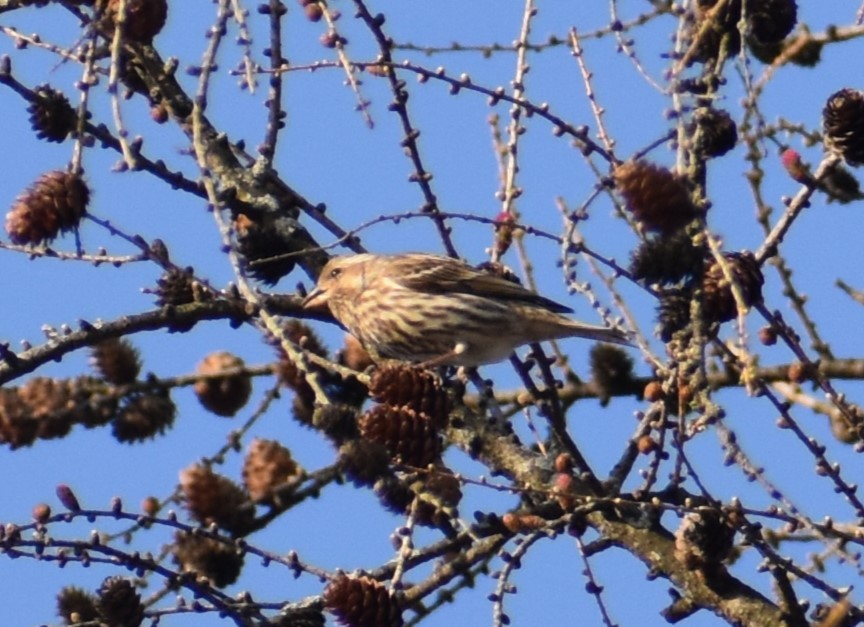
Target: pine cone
(354, 356)
(363, 461)
(439, 493)
(47, 401)
(668, 259)
(268, 465)
(76, 605)
(714, 132)
(299, 617)
(362, 602)
(212, 498)
(288, 373)
(337, 421)
(216, 561)
(93, 404)
(262, 242)
(843, 125)
(657, 198)
(116, 360)
(673, 312)
(712, 27)
(719, 300)
(119, 603)
(17, 427)
(770, 21)
(55, 203)
(409, 436)
(144, 416)
(704, 540)
(394, 495)
(413, 387)
(144, 18)
(841, 185)
(224, 396)
(611, 372)
(51, 116)
(176, 287)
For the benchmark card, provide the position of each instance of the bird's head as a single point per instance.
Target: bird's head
(341, 278)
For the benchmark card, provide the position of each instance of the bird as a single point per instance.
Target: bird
(433, 310)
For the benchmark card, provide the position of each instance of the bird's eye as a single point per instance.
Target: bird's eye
(335, 272)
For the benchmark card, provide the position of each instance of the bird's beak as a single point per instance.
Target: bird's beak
(315, 299)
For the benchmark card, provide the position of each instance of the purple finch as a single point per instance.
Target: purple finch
(438, 310)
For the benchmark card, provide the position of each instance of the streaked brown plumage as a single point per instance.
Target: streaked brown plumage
(427, 308)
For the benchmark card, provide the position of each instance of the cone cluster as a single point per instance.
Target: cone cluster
(413, 407)
(768, 23)
(415, 388)
(45, 408)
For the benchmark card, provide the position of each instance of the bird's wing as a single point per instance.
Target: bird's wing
(440, 275)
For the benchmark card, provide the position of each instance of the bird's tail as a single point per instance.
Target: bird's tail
(600, 333)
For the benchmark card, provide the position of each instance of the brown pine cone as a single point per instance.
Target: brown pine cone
(704, 540)
(263, 242)
(216, 561)
(362, 602)
(288, 373)
(224, 396)
(176, 287)
(656, 197)
(714, 132)
(667, 259)
(611, 371)
(413, 387)
(409, 436)
(770, 21)
(116, 360)
(144, 18)
(48, 403)
(144, 416)
(268, 465)
(843, 125)
(363, 461)
(119, 603)
(55, 203)
(76, 605)
(673, 312)
(212, 498)
(17, 427)
(719, 300)
(51, 116)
